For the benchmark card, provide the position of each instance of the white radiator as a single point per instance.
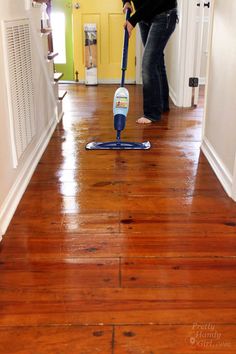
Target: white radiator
(19, 77)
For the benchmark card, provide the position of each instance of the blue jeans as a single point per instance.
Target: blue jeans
(155, 36)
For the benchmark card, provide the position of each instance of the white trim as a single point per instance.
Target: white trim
(173, 95)
(139, 56)
(102, 82)
(115, 81)
(70, 82)
(234, 181)
(60, 116)
(222, 173)
(16, 192)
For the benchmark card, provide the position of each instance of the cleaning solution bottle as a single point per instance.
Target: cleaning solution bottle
(120, 109)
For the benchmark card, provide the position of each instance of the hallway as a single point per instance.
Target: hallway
(120, 252)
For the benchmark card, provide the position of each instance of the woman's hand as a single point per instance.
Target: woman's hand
(127, 6)
(129, 27)
(127, 24)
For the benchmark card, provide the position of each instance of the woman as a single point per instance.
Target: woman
(157, 20)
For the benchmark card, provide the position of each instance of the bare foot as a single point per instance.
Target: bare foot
(143, 120)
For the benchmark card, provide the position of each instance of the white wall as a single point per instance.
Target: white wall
(219, 143)
(13, 181)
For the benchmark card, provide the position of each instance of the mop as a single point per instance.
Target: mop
(120, 110)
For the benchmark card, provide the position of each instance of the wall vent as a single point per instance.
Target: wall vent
(19, 73)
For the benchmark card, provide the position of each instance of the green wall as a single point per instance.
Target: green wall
(68, 68)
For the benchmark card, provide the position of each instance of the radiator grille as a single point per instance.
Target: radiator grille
(20, 81)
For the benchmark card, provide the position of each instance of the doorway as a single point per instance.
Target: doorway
(61, 21)
(109, 19)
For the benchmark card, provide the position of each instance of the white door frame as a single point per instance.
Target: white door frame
(139, 55)
(199, 39)
(187, 50)
(209, 41)
(184, 54)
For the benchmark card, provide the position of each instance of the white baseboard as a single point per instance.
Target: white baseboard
(234, 181)
(172, 94)
(60, 116)
(222, 173)
(16, 192)
(102, 82)
(116, 82)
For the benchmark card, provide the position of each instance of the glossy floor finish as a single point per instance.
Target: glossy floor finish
(120, 252)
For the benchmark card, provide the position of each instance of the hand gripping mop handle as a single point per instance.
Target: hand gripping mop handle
(125, 50)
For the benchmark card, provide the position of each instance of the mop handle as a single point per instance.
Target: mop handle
(125, 49)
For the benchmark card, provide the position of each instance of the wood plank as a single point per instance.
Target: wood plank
(198, 337)
(119, 306)
(207, 223)
(143, 159)
(160, 186)
(37, 222)
(48, 340)
(97, 200)
(49, 173)
(61, 245)
(21, 273)
(43, 221)
(183, 272)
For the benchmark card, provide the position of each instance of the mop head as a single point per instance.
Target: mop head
(118, 145)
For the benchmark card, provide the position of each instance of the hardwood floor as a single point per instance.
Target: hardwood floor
(120, 252)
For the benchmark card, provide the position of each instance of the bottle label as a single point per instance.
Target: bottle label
(122, 102)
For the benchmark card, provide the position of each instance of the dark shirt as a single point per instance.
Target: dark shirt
(147, 9)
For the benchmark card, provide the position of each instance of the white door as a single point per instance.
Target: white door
(202, 19)
(109, 19)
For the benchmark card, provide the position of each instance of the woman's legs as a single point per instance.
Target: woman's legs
(155, 84)
(164, 85)
(144, 30)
